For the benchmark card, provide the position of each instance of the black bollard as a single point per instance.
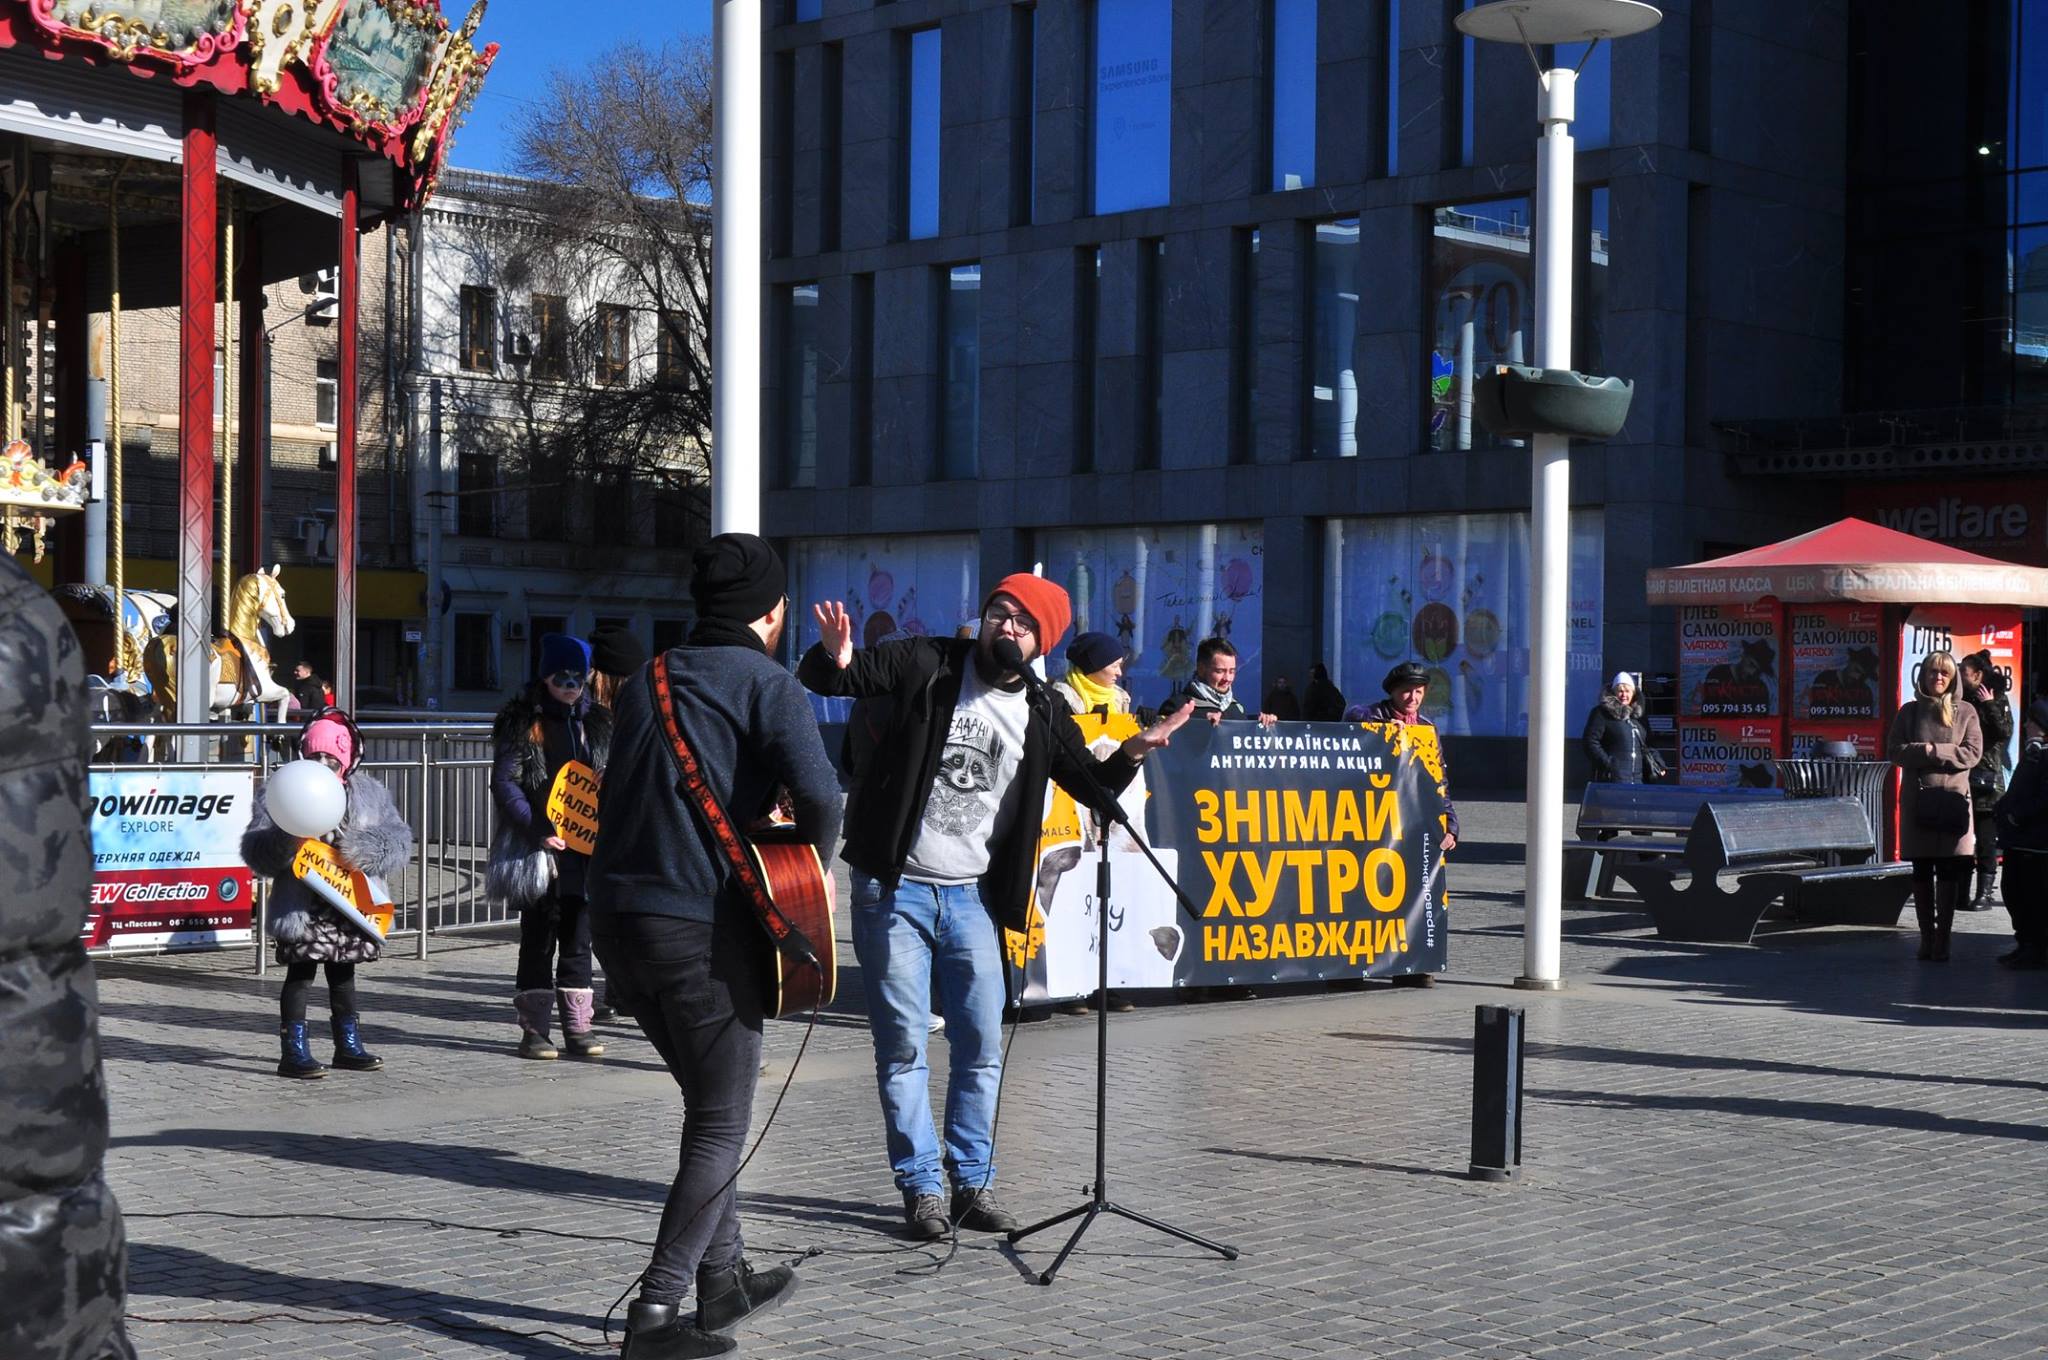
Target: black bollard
(1496, 1093)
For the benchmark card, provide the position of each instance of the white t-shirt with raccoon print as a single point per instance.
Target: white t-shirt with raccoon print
(975, 798)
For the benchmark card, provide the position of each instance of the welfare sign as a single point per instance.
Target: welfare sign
(1309, 851)
(167, 858)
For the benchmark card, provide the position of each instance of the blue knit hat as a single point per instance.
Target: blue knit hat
(1090, 652)
(561, 652)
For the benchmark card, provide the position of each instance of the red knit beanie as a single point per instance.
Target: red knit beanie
(1042, 600)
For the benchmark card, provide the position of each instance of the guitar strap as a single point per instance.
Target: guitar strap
(780, 928)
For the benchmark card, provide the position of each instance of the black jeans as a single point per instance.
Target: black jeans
(695, 988)
(554, 922)
(298, 980)
(2026, 896)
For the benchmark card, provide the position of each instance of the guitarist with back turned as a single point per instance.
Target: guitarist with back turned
(677, 929)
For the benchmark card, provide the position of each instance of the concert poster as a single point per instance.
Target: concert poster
(1728, 660)
(1718, 753)
(1835, 670)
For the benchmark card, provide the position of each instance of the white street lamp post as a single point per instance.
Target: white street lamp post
(736, 244)
(1534, 23)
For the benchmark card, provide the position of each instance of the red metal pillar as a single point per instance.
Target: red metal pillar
(199, 269)
(253, 454)
(345, 448)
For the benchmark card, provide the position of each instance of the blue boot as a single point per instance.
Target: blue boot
(297, 1060)
(349, 1053)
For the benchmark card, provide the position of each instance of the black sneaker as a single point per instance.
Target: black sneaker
(926, 1214)
(725, 1298)
(656, 1331)
(977, 1211)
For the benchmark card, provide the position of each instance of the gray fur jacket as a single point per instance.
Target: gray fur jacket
(373, 838)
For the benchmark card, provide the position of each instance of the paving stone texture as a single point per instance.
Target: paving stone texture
(1811, 1146)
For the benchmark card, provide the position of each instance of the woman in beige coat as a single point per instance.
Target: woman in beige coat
(1935, 740)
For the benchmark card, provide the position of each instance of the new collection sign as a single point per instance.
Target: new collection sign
(1308, 850)
(167, 858)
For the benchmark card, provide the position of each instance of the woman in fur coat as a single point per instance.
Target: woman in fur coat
(532, 869)
(372, 838)
(1616, 741)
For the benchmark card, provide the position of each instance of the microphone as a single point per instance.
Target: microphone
(1012, 659)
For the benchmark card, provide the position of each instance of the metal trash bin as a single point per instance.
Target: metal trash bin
(1835, 777)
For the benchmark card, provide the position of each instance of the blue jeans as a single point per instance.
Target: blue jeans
(905, 936)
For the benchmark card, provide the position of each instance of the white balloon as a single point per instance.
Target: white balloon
(306, 798)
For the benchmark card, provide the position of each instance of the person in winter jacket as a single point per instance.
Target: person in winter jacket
(1983, 687)
(2022, 817)
(373, 839)
(1210, 692)
(1322, 701)
(1617, 742)
(1406, 684)
(532, 869)
(63, 1253)
(1936, 741)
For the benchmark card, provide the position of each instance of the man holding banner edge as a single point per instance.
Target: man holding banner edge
(942, 835)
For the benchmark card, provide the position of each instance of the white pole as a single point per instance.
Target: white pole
(1550, 468)
(736, 243)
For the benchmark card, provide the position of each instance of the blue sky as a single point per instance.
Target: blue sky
(534, 38)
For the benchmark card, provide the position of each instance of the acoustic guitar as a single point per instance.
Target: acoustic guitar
(781, 877)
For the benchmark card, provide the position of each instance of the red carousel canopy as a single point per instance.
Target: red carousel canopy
(391, 75)
(1853, 560)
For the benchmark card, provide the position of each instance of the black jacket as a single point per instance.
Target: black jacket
(922, 677)
(523, 770)
(1617, 743)
(2023, 812)
(754, 734)
(1994, 716)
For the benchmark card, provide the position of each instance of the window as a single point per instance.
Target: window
(1333, 381)
(1023, 113)
(800, 386)
(960, 363)
(327, 394)
(831, 145)
(1133, 106)
(671, 360)
(922, 135)
(1152, 347)
(781, 131)
(476, 495)
(479, 328)
(538, 626)
(547, 499)
(1468, 91)
(1482, 290)
(861, 438)
(476, 662)
(681, 510)
(614, 342)
(1244, 346)
(550, 337)
(1589, 346)
(1292, 83)
(803, 11)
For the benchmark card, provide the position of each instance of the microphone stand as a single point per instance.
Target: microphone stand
(1109, 812)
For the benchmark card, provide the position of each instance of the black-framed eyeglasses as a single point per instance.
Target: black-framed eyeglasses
(997, 616)
(566, 680)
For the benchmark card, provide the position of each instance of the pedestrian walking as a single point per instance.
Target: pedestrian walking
(311, 935)
(2022, 817)
(532, 869)
(1616, 740)
(1983, 686)
(1936, 741)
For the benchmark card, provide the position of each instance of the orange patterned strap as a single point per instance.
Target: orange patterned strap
(780, 929)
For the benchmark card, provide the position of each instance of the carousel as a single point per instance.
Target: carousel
(184, 154)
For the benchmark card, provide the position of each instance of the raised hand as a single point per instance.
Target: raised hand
(1158, 734)
(835, 631)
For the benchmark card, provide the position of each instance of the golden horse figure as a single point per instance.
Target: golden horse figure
(238, 670)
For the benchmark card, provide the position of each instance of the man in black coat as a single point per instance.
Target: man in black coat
(942, 836)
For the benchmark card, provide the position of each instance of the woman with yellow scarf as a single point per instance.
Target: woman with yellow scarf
(1095, 663)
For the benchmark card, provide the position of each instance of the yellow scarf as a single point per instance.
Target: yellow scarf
(1093, 696)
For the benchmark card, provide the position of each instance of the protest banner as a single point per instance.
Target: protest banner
(572, 806)
(1309, 851)
(167, 859)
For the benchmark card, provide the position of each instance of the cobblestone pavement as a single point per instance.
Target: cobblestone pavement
(1808, 1147)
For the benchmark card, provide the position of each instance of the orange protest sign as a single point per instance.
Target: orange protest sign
(572, 806)
(363, 901)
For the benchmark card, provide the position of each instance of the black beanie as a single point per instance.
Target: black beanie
(615, 651)
(739, 577)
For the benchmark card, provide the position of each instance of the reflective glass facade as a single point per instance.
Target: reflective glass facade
(1333, 377)
(800, 386)
(923, 139)
(961, 372)
(1133, 106)
(1293, 83)
(1482, 290)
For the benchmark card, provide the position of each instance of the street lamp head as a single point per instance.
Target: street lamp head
(1544, 22)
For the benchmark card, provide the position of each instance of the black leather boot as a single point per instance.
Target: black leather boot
(1923, 915)
(1946, 895)
(726, 1298)
(656, 1331)
(1987, 881)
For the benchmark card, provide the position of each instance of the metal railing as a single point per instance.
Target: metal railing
(438, 773)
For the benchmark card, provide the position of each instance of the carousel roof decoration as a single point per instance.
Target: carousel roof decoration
(394, 75)
(32, 496)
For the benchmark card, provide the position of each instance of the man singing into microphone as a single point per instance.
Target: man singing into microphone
(942, 838)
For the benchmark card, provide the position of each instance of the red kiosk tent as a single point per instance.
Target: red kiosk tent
(1816, 639)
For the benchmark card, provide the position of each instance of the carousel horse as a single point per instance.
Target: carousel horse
(238, 670)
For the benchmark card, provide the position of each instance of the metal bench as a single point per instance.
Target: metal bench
(1815, 856)
(1645, 821)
